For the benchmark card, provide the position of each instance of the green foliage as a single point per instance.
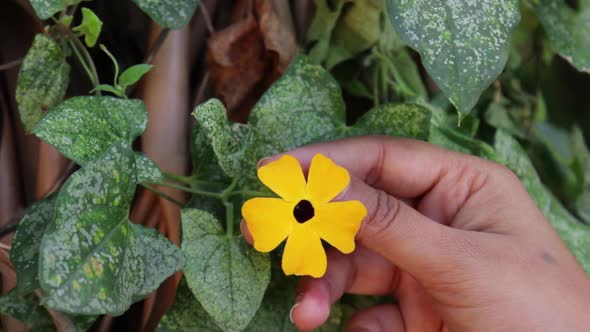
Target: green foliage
(46, 8)
(83, 128)
(90, 27)
(227, 275)
(133, 74)
(42, 80)
(93, 260)
(567, 29)
(173, 14)
(27, 241)
(26, 309)
(464, 44)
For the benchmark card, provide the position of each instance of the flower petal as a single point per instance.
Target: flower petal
(338, 222)
(269, 221)
(304, 253)
(325, 179)
(284, 177)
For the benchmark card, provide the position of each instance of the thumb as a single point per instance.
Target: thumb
(415, 243)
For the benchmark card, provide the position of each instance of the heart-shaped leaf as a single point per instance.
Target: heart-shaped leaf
(463, 44)
(93, 260)
(83, 128)
(46, 8)
(90, 27)
(227, 275)
(403, 120)
(42, 81)
(26, 309)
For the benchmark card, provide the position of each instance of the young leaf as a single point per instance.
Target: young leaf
(91, 27)
(26, 309)
(42, 81)
(320, 31)
(93, 260)
(227, 275)
(567, 30)
(83, 128)
(46, 8)
(186, 314)
(405, 120)
(27, 241)
(133, 74)
(464, 44)
(173, 14)
(228, 141)
(575, 234)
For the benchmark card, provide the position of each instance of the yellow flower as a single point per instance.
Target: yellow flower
(304, 214)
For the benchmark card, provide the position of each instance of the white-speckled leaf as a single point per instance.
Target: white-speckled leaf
(305, 105)
(226, 275)
(173, 14)
(46, 8)
(186, 314)
(26, 309)
(42, 81)
(463, 43)
(26, 242)
(83, 128)
(92, 259)
(575, 234)
(402, 120)
(228, 140)
(567, 29)
(147, 170)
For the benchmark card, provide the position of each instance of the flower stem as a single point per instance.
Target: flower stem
(160, 193)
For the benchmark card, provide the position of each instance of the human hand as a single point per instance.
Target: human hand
(455, 238)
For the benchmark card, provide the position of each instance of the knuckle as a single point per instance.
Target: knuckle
(384, 214)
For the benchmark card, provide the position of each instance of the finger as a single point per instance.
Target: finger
(412, 169)
(382, 318)
(362, 272)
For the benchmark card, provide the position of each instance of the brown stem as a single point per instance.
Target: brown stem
(207, 18)
(11, 64)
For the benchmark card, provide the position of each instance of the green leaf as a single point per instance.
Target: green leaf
(26, 309)
(463, 44)
(227, 275)
(575, 235)
(93, 260)
(133, 74)
(147, 170)
(320, 31)
(454, 140)
(27, 241)
(305, 97)
(567, 30)
(46, 8)
(227, 140)
(186, 314)
(90, 27)
(83, 128)
(357, 29)
(42, 81)
(405, 120)
(580, 149)
(109, 88)
(173, 14)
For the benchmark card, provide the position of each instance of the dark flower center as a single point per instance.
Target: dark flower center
(303, 211)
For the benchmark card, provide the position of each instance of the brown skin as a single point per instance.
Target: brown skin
(455, 238)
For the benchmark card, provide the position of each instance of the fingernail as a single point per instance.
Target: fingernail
(262, 162)
(291, 313)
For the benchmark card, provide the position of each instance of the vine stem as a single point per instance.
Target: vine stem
(157, 45)
(192, 191)
(11, 64)
(163, 194)
(90, 62)
(178, 178)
